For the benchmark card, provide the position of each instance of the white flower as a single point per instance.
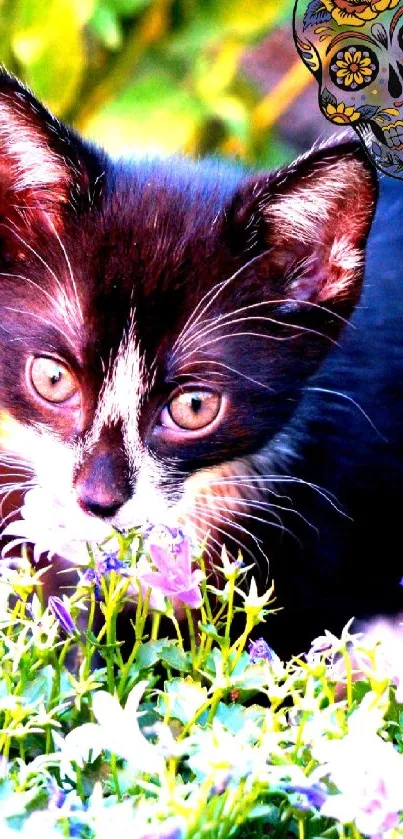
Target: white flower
(136, 819)
(116, 730)
(222, 756)
(367, 771)
(38, 824)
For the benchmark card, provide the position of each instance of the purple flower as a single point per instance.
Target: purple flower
(260, 651)
(170, 538)
(62, 615)
(170, 829)
(308, 796)
(56, 795)
(174, 576)
(92, 576)
(92, 579)
(110, 562)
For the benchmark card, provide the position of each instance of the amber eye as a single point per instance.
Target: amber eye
(52, 380)
(194, 409)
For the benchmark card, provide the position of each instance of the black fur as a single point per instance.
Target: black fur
(154, 237)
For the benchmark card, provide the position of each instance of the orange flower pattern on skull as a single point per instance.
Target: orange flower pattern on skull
(341, 114)
(357, 12)
(354, 68)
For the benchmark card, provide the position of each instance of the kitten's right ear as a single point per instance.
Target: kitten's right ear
(44, 167)
(309, 222)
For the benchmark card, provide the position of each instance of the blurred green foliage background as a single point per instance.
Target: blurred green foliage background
(162, 75)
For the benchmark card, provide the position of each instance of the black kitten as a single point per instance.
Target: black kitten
(160, 322)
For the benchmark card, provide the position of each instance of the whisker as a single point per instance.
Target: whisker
(227, 367)
(214, 292)
(301, 329)
(223, 519)
(35, 253)
(264, 505)
(73, 282)
(353, 402)
(42, 320)
(223, 508)
(229, 335)
(43, 291)
(241, 479)
(17, 487)
(233, 524)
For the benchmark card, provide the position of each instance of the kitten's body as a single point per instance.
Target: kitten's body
(347, 437)
(153, 281)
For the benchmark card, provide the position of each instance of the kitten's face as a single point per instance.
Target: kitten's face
(158, 320)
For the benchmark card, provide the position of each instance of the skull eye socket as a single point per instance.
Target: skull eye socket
(394, 83)
(354, 67)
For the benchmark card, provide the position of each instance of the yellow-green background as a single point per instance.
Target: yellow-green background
(157, 75)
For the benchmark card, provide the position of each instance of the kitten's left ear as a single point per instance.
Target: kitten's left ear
(44, 166)
(312, 218)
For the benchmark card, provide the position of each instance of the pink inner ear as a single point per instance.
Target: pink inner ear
(320, 224)
(34, 177)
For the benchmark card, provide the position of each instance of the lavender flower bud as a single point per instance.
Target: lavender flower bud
(260, 651)
(110, 562)
(62, 615)
(308, 797)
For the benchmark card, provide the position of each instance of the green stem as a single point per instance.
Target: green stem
(155, 626)
(115, 777)
(239, 645)
(152, 27)
(89, 648)
(177, 629)
(230, 611)
(349, 678)
(192, 636)
(141, 617)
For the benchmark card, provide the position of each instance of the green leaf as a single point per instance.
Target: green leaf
(126, 8)
(233, 717)
(149, 653)
(106, 26)
(182, 698)
(210, 630)
(174, 657)
(41, 687)
(47, 41)
(134, 119)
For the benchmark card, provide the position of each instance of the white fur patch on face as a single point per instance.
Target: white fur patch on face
(33, 165)
(51, 462)
(119, 401)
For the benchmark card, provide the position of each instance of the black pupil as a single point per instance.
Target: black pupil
(55, 378)
(196, 404)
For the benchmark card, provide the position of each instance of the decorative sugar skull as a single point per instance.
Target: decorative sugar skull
(354, 48)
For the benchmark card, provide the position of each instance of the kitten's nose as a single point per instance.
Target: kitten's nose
(102, 485)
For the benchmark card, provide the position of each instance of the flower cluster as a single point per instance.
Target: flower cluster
(187, 731)
(357, 12)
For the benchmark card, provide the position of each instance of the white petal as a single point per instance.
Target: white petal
(83, 742)
(134, 699)
(106, 709)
